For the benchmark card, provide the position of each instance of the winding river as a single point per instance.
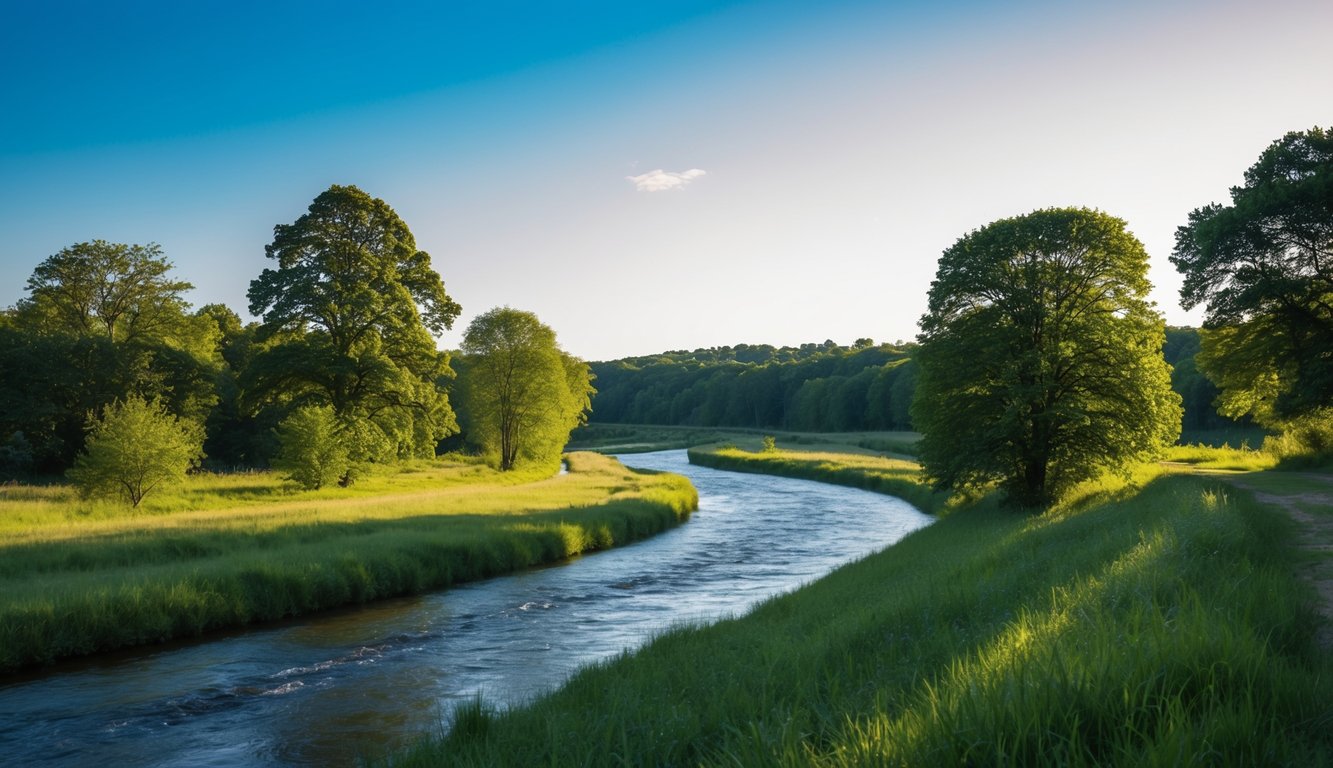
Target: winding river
(334, 688)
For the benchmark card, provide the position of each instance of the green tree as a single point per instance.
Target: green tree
(348, 315)
(313, 450)
(136, 447)
(522, 394)
(1263, 268)
(1040, 362)
(121, 292)
(102, 321)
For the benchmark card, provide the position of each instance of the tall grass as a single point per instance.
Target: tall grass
(1153, 622)
(73, 584)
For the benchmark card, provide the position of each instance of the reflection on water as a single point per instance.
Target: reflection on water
(335, 688)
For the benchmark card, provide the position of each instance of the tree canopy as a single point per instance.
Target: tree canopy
(522, 393)
(1263, 269)
(348, 314)
(1040, 363)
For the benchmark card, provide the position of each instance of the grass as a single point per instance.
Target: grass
(1153, 621)
(897, 477)
(79, 577)
(634, 438)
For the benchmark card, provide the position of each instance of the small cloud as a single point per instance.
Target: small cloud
(660, 180)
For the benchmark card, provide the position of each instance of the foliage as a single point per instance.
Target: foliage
(81, 577)
(1157, 624)
(135, 448)
(1261, 267)
(770, 444)
(103, 321)
(1040, 357)
(312, 451)
(522, 394)
(348, 315)
(1304, 441)
(817, 387)
(120, 292)
(15, 456)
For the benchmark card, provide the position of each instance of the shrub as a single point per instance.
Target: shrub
(313, 452)
(1304, 441)
(135, 448)
(770, 444)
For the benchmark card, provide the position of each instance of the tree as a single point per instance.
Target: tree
(348, 315)
(136, 447)
(1040, 362)
(313, 453)
(121, 292)
(1263, 268)
(102, 321)
(522, 394)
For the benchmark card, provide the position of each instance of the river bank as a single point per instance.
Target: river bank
(335, 688)
(1151, 622)
(78, 579)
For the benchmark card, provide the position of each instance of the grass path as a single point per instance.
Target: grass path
(1306, 497)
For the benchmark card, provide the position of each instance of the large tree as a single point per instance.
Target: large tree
(522, 393)
(1263, 268)
(102, 321)
(120, 292)
(348, 317)
(1040, 362)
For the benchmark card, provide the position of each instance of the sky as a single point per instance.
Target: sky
(643, 176)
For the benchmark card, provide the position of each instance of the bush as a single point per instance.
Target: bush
(135, 448)
(770, 444)
(313, 452)
(1305, 441)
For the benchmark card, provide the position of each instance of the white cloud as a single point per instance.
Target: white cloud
(660, 180)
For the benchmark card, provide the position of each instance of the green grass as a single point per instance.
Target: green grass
(637, 438)
(79, 577)
(1148, 622)
(897, 477)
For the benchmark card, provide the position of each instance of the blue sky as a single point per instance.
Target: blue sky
(815, 157)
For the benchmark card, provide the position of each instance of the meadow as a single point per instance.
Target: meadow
(78, 576)
(1148, 620)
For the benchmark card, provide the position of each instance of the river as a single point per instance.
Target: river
(335, 688)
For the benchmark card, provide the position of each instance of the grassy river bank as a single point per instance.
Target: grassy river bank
(80, 577)
(1149, 622)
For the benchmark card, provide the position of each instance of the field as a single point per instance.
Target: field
(1157, 620)
(78, 577)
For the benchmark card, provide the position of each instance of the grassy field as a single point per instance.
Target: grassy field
(1154, 621)
(79, 577)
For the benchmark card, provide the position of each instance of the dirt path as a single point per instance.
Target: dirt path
(1310, 504)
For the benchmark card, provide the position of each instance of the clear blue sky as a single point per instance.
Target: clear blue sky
(815, 157)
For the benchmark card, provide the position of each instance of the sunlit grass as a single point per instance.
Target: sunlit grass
(77, 579)
(851, 465)
(1148, 620)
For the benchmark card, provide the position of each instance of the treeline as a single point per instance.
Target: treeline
(340, 373)
(817, 387)
(813, 387)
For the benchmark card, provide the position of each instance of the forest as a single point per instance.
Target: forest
(829, 388)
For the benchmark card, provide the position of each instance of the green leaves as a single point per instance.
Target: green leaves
(1263, 268)
(522, 395)
(135, 448)
(1040, 359)
(348, 316)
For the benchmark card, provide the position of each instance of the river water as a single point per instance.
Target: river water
(335, 688)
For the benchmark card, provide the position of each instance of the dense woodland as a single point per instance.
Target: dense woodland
(819, 387)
